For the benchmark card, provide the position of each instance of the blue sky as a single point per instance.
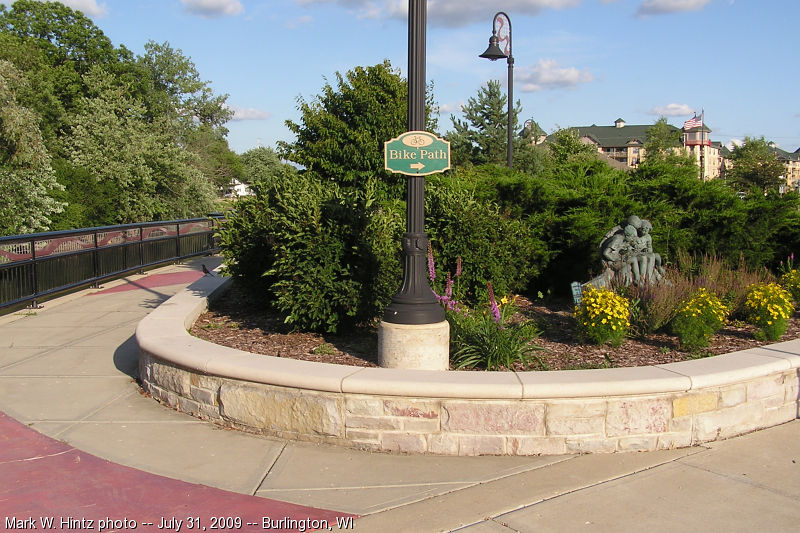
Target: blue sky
(577, 62)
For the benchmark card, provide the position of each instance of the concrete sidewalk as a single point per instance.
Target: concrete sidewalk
(68, 371)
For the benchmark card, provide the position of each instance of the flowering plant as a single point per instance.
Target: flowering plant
(768, 306)
(490, 338)
(603, 316)
(698, 318)
(790, 280)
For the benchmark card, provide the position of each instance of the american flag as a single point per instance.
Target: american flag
(694, 122)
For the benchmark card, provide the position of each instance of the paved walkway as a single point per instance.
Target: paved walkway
(81, 442)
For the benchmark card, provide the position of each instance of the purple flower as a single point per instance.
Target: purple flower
(493, 303)
(458, 267)
(431, 266)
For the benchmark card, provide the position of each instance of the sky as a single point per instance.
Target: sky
(577, 62)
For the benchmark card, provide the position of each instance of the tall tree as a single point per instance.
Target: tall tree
(26, 175)
(662, 140)
(755, 164)
(262, 166)
(113, 140)
(482, 136)
(341, 132)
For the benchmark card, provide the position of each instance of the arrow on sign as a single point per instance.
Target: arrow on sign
(417, 166)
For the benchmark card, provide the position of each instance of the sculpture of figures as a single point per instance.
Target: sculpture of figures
(627, 253)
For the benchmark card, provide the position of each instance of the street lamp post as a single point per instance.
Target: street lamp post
(494, 52)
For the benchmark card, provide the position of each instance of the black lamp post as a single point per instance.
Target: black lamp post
(494, 53)
(415, 302)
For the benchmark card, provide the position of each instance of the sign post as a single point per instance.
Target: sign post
(414, 332)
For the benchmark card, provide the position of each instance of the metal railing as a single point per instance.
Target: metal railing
(39, 265)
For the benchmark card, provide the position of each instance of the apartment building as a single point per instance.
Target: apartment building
(623, 144)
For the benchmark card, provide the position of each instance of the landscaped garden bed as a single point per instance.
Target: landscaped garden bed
(236, 321)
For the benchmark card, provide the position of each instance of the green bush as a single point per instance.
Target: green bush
(323, 256)
(603, 317)
(768, 307)
(698, 319)
(492, 246)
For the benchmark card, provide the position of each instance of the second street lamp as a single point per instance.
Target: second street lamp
(494, 52)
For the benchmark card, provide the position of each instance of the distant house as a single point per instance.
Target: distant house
(791, 160)
(236, 188)
(623, 145)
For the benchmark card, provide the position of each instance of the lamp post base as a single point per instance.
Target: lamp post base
(414, 346)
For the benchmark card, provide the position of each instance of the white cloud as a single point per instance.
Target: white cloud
(672, 110)
(295, 23)
(89, 7)
(449, 108)
(248, 113)
(661, 7)
(547, 74)
(213, 8)
(446, 12)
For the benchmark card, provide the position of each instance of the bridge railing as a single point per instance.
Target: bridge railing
(40, 265)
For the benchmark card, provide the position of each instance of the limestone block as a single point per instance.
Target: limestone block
(490, 417)
(779, 415)
(576, 408)
(373, 422)
(669, 441)
(188, 406)
(276, 409)
(694, 403)
(364, 406)
(637, 444)
(204, 382)
(412, 408)
(638, 416)
(537, 445)
(403, 442)
(420, 425)
(576, 426)
(481, 445)
(170, 378)
(360, 435)
(443, 444)
(204, 396)
(728, 422)
(582, 445)
(732, 395)
(765, 388)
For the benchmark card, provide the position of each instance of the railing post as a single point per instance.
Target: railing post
(141, 249)
(35, 274)
(95, 262)
(178, 241)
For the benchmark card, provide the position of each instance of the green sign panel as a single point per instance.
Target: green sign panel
(416, 153)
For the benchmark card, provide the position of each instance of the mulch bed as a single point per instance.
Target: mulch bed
(237, 321)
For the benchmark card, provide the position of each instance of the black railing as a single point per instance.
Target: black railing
(38, 265)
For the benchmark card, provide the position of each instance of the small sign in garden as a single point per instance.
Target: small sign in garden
(416, 153)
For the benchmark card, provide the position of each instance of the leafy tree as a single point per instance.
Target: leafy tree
(482, 136)
(112, 139)
(26, 176)
(662, 139)
(566, 144)
(262, 167)
(341, 132)
(64, 34)
(177, 92)
(755, 164)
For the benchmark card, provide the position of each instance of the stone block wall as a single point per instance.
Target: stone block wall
(462, 426)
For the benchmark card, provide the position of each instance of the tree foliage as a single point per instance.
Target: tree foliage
(341, 132)
(482, 137)
(26, 175)
(756, 165)
(127, 138)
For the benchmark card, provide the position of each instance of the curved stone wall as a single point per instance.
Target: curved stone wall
(463, 413)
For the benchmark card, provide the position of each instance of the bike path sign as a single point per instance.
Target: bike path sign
(416, 153)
